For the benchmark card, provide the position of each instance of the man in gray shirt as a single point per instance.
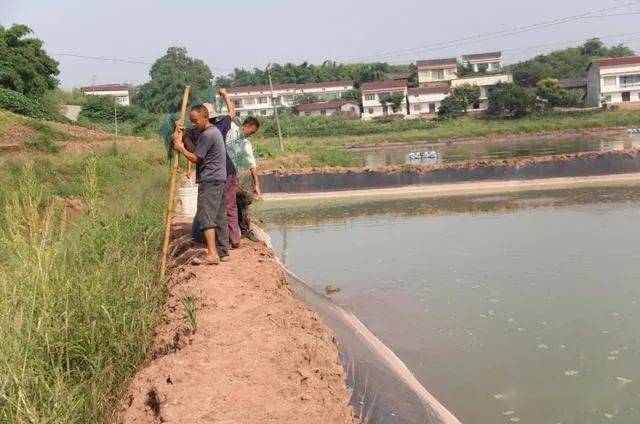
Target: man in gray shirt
(211, 175)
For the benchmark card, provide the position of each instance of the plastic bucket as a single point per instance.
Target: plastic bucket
(187, 201)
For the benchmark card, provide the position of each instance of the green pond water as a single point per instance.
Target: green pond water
(492, 150)
(511, 308)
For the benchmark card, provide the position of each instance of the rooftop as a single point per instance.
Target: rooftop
(489, 55)
(290, 86)
(381, 85)
(430, 90)
(616, 61)
(438, 62)
(105, 87)
(308, 107)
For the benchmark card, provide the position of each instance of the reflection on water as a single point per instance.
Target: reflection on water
(492, 150)
(506, 313)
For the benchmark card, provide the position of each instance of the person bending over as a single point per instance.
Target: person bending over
(209, 157)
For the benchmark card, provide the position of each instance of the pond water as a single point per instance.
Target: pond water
(490, 150)
(511, 308)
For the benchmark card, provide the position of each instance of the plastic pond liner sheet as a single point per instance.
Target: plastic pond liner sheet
(384, 390)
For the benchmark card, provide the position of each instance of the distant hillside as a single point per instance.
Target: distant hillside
(568, 63)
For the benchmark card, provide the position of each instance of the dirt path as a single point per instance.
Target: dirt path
(257, 354)
(453, 189)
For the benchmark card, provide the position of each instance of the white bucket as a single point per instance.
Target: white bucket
(187, 201)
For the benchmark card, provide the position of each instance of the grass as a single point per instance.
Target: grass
(79, 296)
(326, 150)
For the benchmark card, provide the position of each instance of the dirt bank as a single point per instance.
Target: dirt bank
(257, 355)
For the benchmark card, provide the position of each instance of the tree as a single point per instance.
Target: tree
(24, 66)
(452, 106)
(101, 109)
(354, 94)
(468, 94)
(393, 99)
(549, 90)
(508, 99)
(169, 75)
(306, 99)
(567, 63)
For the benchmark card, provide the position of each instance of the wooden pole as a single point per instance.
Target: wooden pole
(172, 190)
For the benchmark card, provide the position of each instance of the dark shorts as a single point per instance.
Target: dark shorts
(210, 203)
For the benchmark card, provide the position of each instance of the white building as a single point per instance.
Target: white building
(483, 62)
(614, 81)
(256, 100)
(372, 92)
(339, 107)
(119, 91)
(426, 100)
(486, 84)
(437, 71)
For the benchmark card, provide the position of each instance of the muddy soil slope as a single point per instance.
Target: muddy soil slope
(256, 354)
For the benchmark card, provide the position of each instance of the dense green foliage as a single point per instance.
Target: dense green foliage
(169, 75)
(24, 65)
(99, 112)
(568, 63)
(394, 100)
(18, 103)
(79, 295)
(305, 72)
(549, 90)
(508, 99)
(458, 102)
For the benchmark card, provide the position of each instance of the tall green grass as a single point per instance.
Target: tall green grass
(79, 295)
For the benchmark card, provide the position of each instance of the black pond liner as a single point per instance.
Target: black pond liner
(384, 390)
(577, 166)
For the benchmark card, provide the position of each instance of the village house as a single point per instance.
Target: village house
(437, 71)
(340, 107)
(373, 92)
(614, 82)
(426, 100)
(483, 62)
(119, 91)
(486, 83)
(256, 100)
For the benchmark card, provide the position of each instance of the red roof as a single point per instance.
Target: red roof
(381, 85)
(430, 90)
(308, 107)
(105, 87)
(617, 61)
(291, 86)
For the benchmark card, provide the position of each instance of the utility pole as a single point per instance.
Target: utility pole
(275, 109)
(115, 115)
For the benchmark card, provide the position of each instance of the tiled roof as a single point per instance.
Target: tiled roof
(381, 85)
(617, 61)
(573, 83)
(292, 86)
(429, 90)
(308, 107)
(490, 55)
(105, 87)
(438, 62)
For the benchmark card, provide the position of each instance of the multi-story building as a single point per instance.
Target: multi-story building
(373, 92)
(437, 71)
(614, 81)
(483, 62)
(426, 100)
(256, 100)
(119, 91)
(339, 107)
(486, 84)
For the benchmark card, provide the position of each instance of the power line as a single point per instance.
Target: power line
(490, 35)
(113, 59)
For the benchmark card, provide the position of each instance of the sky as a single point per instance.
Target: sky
(254, 33)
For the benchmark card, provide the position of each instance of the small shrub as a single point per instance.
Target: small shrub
(20, 104)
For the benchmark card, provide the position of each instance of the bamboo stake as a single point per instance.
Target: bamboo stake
(172, 189)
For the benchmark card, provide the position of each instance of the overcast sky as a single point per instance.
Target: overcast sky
(253, 33)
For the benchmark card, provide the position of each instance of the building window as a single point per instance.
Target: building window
(237, 103)
(276, 101)
(263, 112)
(607, 99)
(369, 96)
(629, 80)
(437, 73)
(287, 99)
(250, 101)
(262, 100)
(323, 112)
(370, 111)
(609, 81)
(451, 71)
(483, 67)
(417, 108)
